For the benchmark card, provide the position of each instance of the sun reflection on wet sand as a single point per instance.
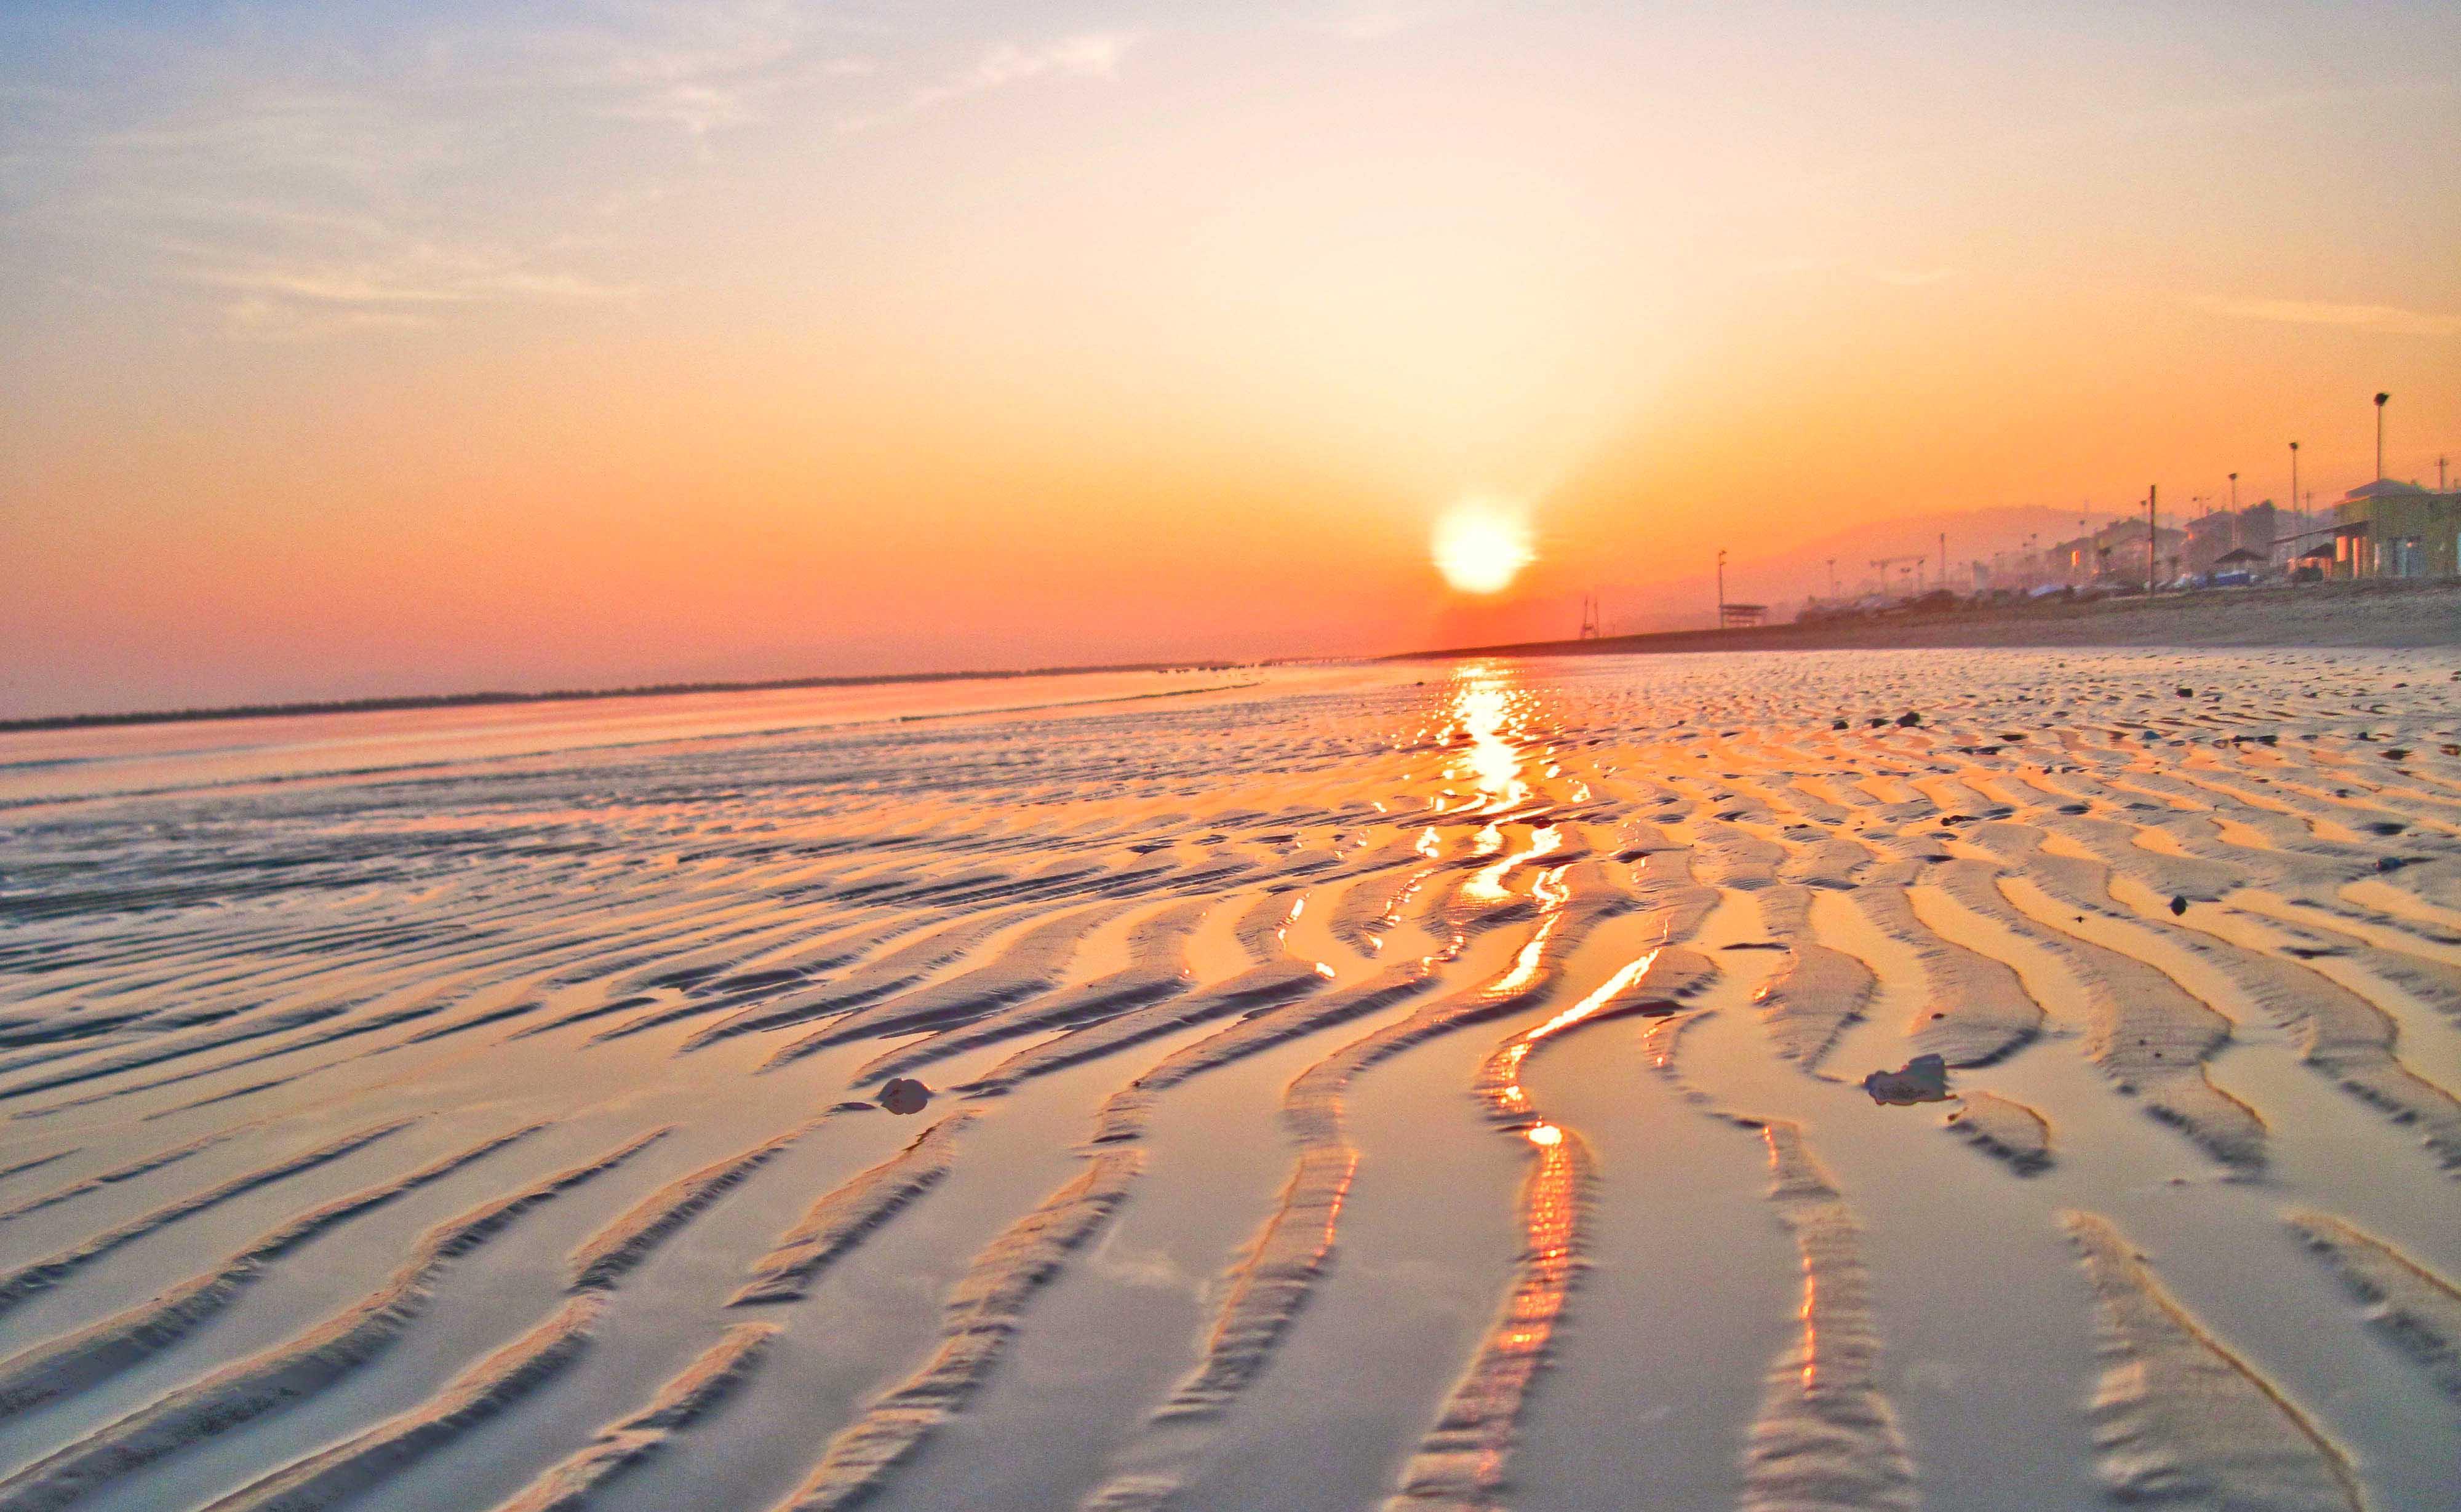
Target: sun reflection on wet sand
(1462, 1459)
(1500, 1082)
(1487, 709)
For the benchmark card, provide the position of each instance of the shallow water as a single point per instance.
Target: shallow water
(1427, 1083)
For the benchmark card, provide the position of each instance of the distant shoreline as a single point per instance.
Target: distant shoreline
(2385, 614)
(481, 700)
(2376, 613)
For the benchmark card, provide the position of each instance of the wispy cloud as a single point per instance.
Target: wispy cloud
(1373, 20)
(697, 68)
(347, 181)
(291, 296)
(2389, 319)
(1799, 265)
(1088, 54)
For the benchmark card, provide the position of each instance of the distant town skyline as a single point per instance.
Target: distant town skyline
(382, 349)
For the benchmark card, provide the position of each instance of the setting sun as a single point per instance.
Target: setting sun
(1481, 549)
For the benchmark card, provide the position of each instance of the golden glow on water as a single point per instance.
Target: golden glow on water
(1488, 886)
(1488, 708)
(1810, 1316)
(1526, 964)
(1504, 1073)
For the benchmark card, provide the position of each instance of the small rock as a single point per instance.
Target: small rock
(1909, 719)
(904, 1095)
(1922, 1079)
(2178, 905)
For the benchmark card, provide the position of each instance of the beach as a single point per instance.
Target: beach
(1425, 1083)
(2374, 612)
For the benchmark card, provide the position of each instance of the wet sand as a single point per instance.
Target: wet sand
(1418, 1085)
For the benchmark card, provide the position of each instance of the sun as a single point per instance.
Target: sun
(1481, 548)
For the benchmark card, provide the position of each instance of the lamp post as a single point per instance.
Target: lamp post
(1832, 577)
(2294, 482)
(2152, 492)
(2379, 404)
(1722, 589)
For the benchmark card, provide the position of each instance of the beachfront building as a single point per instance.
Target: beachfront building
(2389, 530)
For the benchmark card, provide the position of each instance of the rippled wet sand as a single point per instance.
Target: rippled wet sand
(1421, 1085)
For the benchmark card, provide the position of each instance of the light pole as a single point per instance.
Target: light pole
(1832, 577)
(2379, 404)
(2152, 492)
(2233, 493)
(2294, 482)
(1722, 590)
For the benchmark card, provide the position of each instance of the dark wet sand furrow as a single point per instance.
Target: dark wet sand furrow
(1978, 1012)
(2004, 1129)
(604, 1259)
(2149, 1035)
(291, 1371)
(1122, 1116)
(1463, 1460)
(487, 1389)
(896, 969)
(1272, 1280)
(1255, 991)
(2418, 1309)
(1818, 993)
(1827, 1435)
(2339, 1033)
(1031, 963)
(43, 1274)
(142, 1166)
(842, 1217)
(987, 1307)
(72, 1362)
(1157, 968)
(2183, 1422)
(625, 1444)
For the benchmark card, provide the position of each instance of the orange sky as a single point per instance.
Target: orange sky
(371, 350)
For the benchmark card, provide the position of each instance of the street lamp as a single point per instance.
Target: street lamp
(2379, 404)
(2294, 480)
(1722, 589)
(2153, 493)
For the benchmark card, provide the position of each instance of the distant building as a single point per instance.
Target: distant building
(2389, 530)
(2208, 536)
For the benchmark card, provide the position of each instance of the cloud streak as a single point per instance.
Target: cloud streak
(1087, 55)
(338, 182)
(2388, 319)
